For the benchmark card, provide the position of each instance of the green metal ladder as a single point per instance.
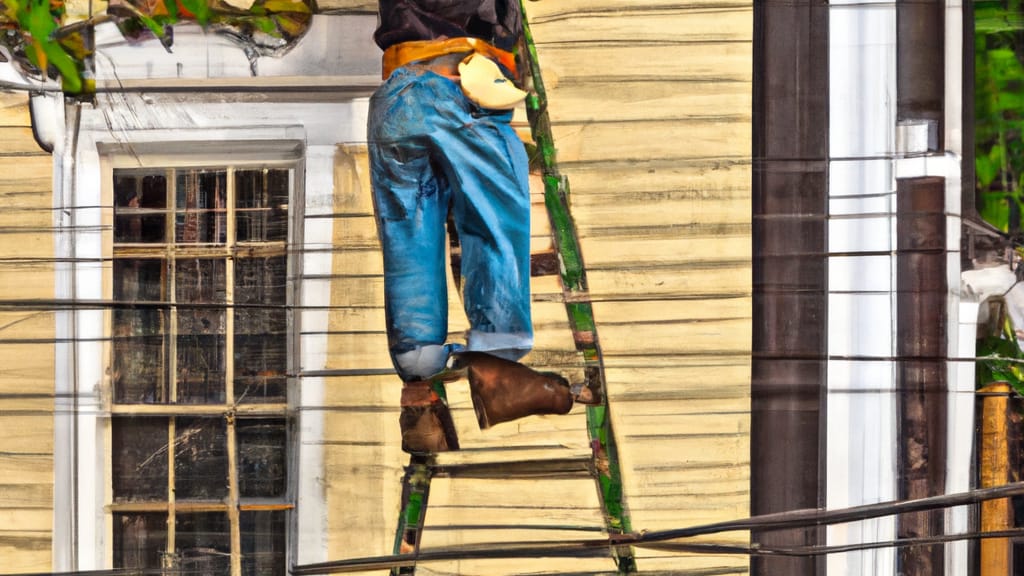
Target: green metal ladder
(604, 465)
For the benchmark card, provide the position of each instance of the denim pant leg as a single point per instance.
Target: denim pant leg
(428, 144)
(411, 206)
(488, 170)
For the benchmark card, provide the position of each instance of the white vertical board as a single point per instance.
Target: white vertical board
(861, 407)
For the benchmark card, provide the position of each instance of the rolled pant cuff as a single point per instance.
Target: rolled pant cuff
(510, 346)
(422, 362)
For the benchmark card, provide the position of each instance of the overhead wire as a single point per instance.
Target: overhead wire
(663, 540)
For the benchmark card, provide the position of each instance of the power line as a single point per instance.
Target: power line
(661, 539)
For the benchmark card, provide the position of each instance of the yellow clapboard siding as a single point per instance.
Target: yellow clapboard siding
(15, 495)
(14, 112)
(357, 524)
(703, 62)
(26, 341)
(693, 139)
(661, 215)
(28, 431)
(541, 11)
(26, 552)
(665, 563)
(661, 283)
(650, 104)
(28, 322)
(591, 566)
(13, 141)
(367, 261)
(351, 319)
(27, 175)
(358, 291)
(734, 245)
(558, 495)
(597, 100)
(23, 467)
(641, 180)
(659, 339)
(482, 511)
(652, 310)
(651, 109)
(27, 520)
(347, 6)
(27, 383)
(358, 351)
(645, 25)
(357, 232)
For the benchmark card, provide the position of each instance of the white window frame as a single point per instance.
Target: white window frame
(84, 198)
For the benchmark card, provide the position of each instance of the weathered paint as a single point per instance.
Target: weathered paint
(661, 206)
(26, 382)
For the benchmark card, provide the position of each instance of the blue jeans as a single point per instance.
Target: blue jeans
(433, 151)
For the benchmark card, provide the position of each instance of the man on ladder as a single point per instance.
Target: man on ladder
(440, 143)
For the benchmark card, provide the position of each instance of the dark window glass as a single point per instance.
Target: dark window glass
(140, 539)
(140, 204)
(203, 543)
(200, 207)
(201, 331)
(261, 204)
(170, 341)
(261, 345)
(262, 468)
(140, 468)
(263, 543)
(200, 459)
(138, 332)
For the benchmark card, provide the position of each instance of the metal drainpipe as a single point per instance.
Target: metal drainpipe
(65, 553)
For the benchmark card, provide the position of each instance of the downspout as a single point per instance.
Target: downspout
(46, 112)
(65, 126)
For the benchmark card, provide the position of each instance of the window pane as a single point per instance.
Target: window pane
(138, 332)
(140, 540)
(140, 203)
(200, 459)
(262, 467)
(261, 205)
(261, 345)
(263, 543)
(201, 369)
(203, 542)
(200, 207)
(201, 330)
(140, 459)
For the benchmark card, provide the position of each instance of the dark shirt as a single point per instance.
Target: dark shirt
(495, 21)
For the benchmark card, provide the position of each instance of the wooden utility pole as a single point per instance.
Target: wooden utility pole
(995, 470)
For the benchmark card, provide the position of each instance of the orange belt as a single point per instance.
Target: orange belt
(415, 50)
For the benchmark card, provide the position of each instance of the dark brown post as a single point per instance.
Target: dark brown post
(790, 292)
(921, 327)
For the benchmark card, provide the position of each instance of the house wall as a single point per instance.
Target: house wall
(26, 343)
(650, 104)
(650, 109)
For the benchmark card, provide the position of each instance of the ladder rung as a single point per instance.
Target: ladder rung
(546, 468)
(545, 263)
(541, 263)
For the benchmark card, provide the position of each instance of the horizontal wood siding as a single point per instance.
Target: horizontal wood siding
(650, 104)
(26, 343)
(363, 459)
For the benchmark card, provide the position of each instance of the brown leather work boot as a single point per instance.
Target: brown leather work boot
(426, 423)
(503, 390)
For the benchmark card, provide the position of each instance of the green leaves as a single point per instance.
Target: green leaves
(999, 108)
(61, 52)
(999, 359)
